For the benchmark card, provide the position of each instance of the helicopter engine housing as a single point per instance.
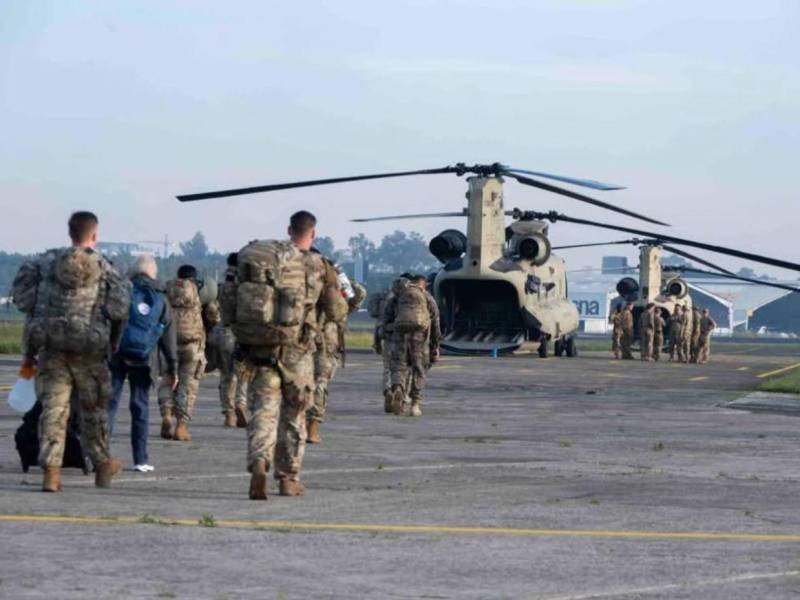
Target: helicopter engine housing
(628, 288)
(677, 287)
(449, 245)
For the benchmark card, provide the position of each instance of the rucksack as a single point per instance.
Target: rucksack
(144, 327)
(187, 316)
(268, 306)
(412, 310)
(376, 303)
(77, 296)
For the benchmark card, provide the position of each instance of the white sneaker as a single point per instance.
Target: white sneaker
(144, 468)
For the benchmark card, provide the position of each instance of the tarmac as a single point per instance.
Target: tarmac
(536, 478)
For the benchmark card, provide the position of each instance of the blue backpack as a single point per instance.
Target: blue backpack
(144, 323)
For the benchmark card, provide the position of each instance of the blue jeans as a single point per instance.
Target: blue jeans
(140, 382)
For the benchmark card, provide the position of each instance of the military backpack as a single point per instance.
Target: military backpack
(187, 311)
(412, 310)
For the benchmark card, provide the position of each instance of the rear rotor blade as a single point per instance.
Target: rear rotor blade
(737, 277)
(589, 183)
(631, 241)
(557, 190)
(775, 262)
(685, 254)
(417, 216)
(309, 183)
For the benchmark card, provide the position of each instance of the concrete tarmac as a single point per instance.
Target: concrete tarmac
(525, 478)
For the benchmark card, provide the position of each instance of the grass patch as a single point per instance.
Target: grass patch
(358, 339)
(787, 383)
(11, 337)
(207, 521)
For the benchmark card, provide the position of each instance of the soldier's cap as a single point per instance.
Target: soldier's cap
(187, 272)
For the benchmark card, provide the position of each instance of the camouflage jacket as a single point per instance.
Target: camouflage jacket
(434, 332)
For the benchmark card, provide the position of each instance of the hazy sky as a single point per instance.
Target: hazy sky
(118, 106)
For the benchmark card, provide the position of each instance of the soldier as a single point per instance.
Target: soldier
(192, 319)
(233, 400)
(280, 289)
(647, 331)
(415, 341)
(675, 324)
(658, 333)
(685, 340)
(76, 305)
(383, 337)
(695, 349)
(627, 332)
(616, 332)
(330, 348)
(707, 326)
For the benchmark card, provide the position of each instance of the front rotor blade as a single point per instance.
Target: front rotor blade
(685, 254)
(775, 262)
(557, 190)
(589, 183)
(780, 286)
(417, 216)
(309, 183)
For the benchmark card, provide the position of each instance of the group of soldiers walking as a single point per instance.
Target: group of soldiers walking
(689, 331)
(275, 330)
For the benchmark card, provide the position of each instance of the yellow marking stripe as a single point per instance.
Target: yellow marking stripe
(379, 528)
(5, 388)
(743, 369)
(701, 378)
(778, 371)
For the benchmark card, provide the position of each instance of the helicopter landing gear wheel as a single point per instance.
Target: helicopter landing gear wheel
(572, 347)
(558, 348)
(543, 348)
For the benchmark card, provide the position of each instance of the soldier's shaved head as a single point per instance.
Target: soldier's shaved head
(83, 228)
(302, 229)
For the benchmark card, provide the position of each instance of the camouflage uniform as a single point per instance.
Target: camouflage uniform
(675, 325)
(71, 328)
(658, 334)
(281, 379)
(191, 358)
(329, 351)
(707, 326)
(410, 351)
(627, 334)
(616, 333)
(695, 350)
(685, 341)
(646, 333)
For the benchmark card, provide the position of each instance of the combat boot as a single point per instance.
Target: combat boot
(166, 425)
(230, 419)
(313, 432)
(290, 487)
(398, 400)
(182, 432)
(52, 479)
(241, 418)
(258, 480)
(104, 472)
(387, 401)
(416, 410)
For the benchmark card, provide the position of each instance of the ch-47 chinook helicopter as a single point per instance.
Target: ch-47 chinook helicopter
(500, 286)
(663, 286)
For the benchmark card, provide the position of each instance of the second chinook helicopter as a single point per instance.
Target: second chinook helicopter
(502, 286)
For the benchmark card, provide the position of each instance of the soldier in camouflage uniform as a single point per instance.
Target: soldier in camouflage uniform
(646, 332)
(627, 332)
(415, 343)
(191, 319)
(685, 339)
(695, 349)
(616, 332)
(675, 325)
(76, 305)
(277, 346)
(383, 338)
(330, 347)
(658, 333)
(232, 391)
(707, 326)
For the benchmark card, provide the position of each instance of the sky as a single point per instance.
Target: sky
(118, 106)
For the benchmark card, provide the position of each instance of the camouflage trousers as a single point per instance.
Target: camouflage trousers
(387, 365)
(59, 375)
(673, 347)
(278, 397)
(232, 387)
(658, 345)
(646, 343)
(625, 344)
(704, 352)
(685, 349)
(408, 362)
(325, 364)
(616, 343)
(696, 342)
(191, 368)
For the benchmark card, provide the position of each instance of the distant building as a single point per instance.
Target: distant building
(117, 248)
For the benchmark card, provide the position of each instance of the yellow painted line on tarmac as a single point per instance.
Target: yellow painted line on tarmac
(778, 371)
(5, 388)
(743, 369)
(445, 367)
(700, 378)
(411, 529)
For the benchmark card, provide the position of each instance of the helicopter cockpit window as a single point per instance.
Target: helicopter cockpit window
(532, 284)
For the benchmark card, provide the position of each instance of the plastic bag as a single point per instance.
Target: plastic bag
(22, 396)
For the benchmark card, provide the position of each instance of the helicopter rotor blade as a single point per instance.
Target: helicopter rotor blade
(570, 194)
(416, 216)
(589, 183)
(633, 241)
(308, 183)
(685, 254)
(736, 277)
(554, 216)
